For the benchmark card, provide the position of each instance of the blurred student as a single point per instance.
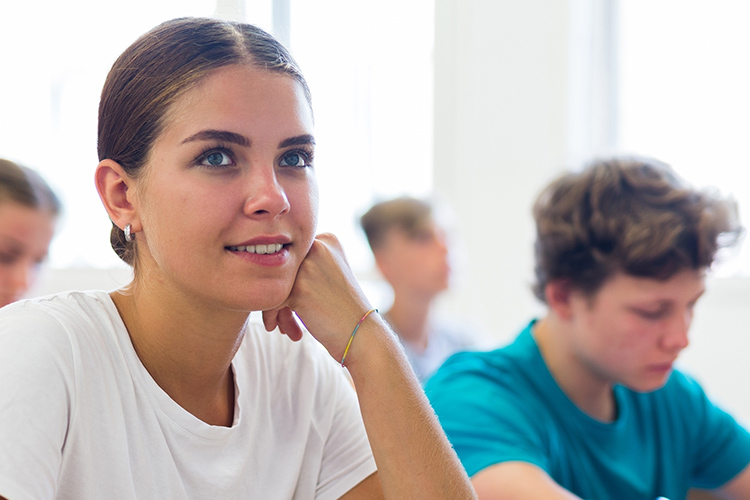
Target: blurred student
(585, 403)
(410, 244)
(28, 212)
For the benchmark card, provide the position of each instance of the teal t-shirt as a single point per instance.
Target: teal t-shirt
(504, 405)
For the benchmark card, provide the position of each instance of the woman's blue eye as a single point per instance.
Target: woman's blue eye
(293, 159)
(216, 159)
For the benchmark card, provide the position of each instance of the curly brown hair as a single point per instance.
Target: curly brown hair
(631, 215)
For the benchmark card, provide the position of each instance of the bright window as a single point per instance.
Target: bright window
(683, 86)
(369, 65)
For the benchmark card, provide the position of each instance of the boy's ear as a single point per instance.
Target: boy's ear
(116, 192)
(558, 295)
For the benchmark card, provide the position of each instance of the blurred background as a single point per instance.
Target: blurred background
(478, 102)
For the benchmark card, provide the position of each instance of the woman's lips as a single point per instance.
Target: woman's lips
(263, 249)
(268, 255)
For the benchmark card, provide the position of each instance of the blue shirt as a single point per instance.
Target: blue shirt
(504, 405)
(446, 338)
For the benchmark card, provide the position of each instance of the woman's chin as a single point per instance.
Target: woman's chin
(272, 299)
(247, 297)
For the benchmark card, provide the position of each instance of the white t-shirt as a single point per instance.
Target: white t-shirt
(82, 419)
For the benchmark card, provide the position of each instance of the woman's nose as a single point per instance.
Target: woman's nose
(266, 196)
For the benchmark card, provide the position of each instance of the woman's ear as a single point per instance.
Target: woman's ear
(558, 294)
(116, 191)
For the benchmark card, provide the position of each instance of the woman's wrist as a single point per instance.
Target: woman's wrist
(375, 351)
(354, 333)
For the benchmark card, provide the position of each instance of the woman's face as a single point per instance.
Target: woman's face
(227, 205)
(25, 235)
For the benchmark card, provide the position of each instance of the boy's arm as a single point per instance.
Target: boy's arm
(738, 488)
(518, 481)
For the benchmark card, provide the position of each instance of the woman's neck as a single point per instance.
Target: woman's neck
(186, 351)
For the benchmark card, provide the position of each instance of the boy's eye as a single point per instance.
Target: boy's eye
(9, 257)
(653, 315)
(6, 258)
(423, 236)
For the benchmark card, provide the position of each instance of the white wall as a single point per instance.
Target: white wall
(719, 347)
(500, 134)
(503, 102)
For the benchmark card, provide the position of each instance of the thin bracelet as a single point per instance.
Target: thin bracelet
(354, 333)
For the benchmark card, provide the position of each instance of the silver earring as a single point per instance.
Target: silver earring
(128, 235)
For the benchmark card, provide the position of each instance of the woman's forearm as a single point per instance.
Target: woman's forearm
(413, 455)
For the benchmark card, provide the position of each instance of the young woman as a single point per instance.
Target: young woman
(28, 213)
(165, 389)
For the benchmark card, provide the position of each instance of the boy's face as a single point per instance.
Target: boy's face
(418, 263)
(632, 330)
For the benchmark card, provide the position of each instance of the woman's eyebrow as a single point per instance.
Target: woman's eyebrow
(241, 140)
(219, 135)
(298, 140)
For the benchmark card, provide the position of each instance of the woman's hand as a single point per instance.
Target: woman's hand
(326, 297)
(413, 455)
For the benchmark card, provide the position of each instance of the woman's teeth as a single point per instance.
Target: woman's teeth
(261, 249)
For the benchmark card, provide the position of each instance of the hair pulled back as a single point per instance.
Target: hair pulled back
(156, 70)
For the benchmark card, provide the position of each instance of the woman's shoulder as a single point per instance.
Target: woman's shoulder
(56, 318)
(47, 338)
(70, 302)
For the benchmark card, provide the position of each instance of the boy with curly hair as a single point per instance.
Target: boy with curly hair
(585, 403)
